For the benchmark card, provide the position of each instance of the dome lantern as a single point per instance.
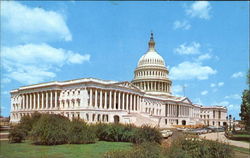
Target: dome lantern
(151, 74)
(151, 42)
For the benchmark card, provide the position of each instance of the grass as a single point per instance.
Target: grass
(242, 135)
(28, 150)
(242, 150)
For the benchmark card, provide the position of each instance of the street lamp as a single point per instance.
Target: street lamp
(230, 120)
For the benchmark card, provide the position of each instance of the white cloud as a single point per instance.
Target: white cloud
(33, 63)
(220, 84)
(184, 25)
(228, 105)
(237, 75)
(200, 9)
(184, 49)
(177, 89)
(77, 58)
(233, 96)
(222, 103)
(31, 24)
(204, 92)
(198, 101)
(187, 70)
(212, 85)
(204, 57)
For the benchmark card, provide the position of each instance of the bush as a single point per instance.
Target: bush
(127, 133)
(147, 134)
(80, 133)
(27, 122)
(193, 147)
(17, 134)
(144, 150)
(115, 132)
(50, 129)
(20, 132)
(110, 132)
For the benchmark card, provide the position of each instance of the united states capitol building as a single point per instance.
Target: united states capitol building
(147, 99)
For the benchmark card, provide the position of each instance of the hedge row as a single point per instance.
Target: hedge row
(182, 147)
(51, 129)
(128, 133)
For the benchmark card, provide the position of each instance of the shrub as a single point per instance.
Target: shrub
(27, 122)
(115, 132)
(147, 134)
(111, 132)
(144, 150)
(80, 133)
(50, 129)
(193, 147)
(127, 133)
(20, 132)
(17, 134)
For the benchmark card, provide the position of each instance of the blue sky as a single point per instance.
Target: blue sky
(205, 45)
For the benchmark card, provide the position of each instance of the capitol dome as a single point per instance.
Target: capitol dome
(151, 57)
(151, 74)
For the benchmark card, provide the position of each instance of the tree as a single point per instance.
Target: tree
(245, 105)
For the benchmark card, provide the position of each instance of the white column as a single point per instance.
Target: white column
(180, 110)
(119, 100)
(171, 110)
(51, 99)
(123, 101)
(105, 100)
(138, 103)
(42, 100)
(47, 101)
(27, 101)
(126, 101)
(55, 99)
(134, 96)
(100, 99)
(30, 101)
(23, 101)
(110, 99)
(90, 97)
(131, 102)
(34, 100)
(114, 99)
(38, 100)
(96, 95)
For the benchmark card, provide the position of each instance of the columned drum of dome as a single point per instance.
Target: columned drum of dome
(151, 74)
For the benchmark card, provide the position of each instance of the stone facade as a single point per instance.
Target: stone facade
(145, 100)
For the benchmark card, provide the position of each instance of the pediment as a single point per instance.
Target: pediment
(127, 84)
(186, 100)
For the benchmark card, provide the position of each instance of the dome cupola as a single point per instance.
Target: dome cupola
(151, 57)
(151, 73)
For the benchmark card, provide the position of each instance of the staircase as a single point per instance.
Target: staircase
(142, 119)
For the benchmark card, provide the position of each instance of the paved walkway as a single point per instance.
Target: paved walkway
(221, 137)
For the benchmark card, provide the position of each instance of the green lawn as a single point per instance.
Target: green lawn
(242, 135)
(242, 150)
(27, 150)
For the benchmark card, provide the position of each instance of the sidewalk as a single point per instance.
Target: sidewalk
(221, 137)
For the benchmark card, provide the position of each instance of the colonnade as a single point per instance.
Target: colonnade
(113, 99)
(176, 110)
(38, 100)
(148, 73)
(154, 86)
